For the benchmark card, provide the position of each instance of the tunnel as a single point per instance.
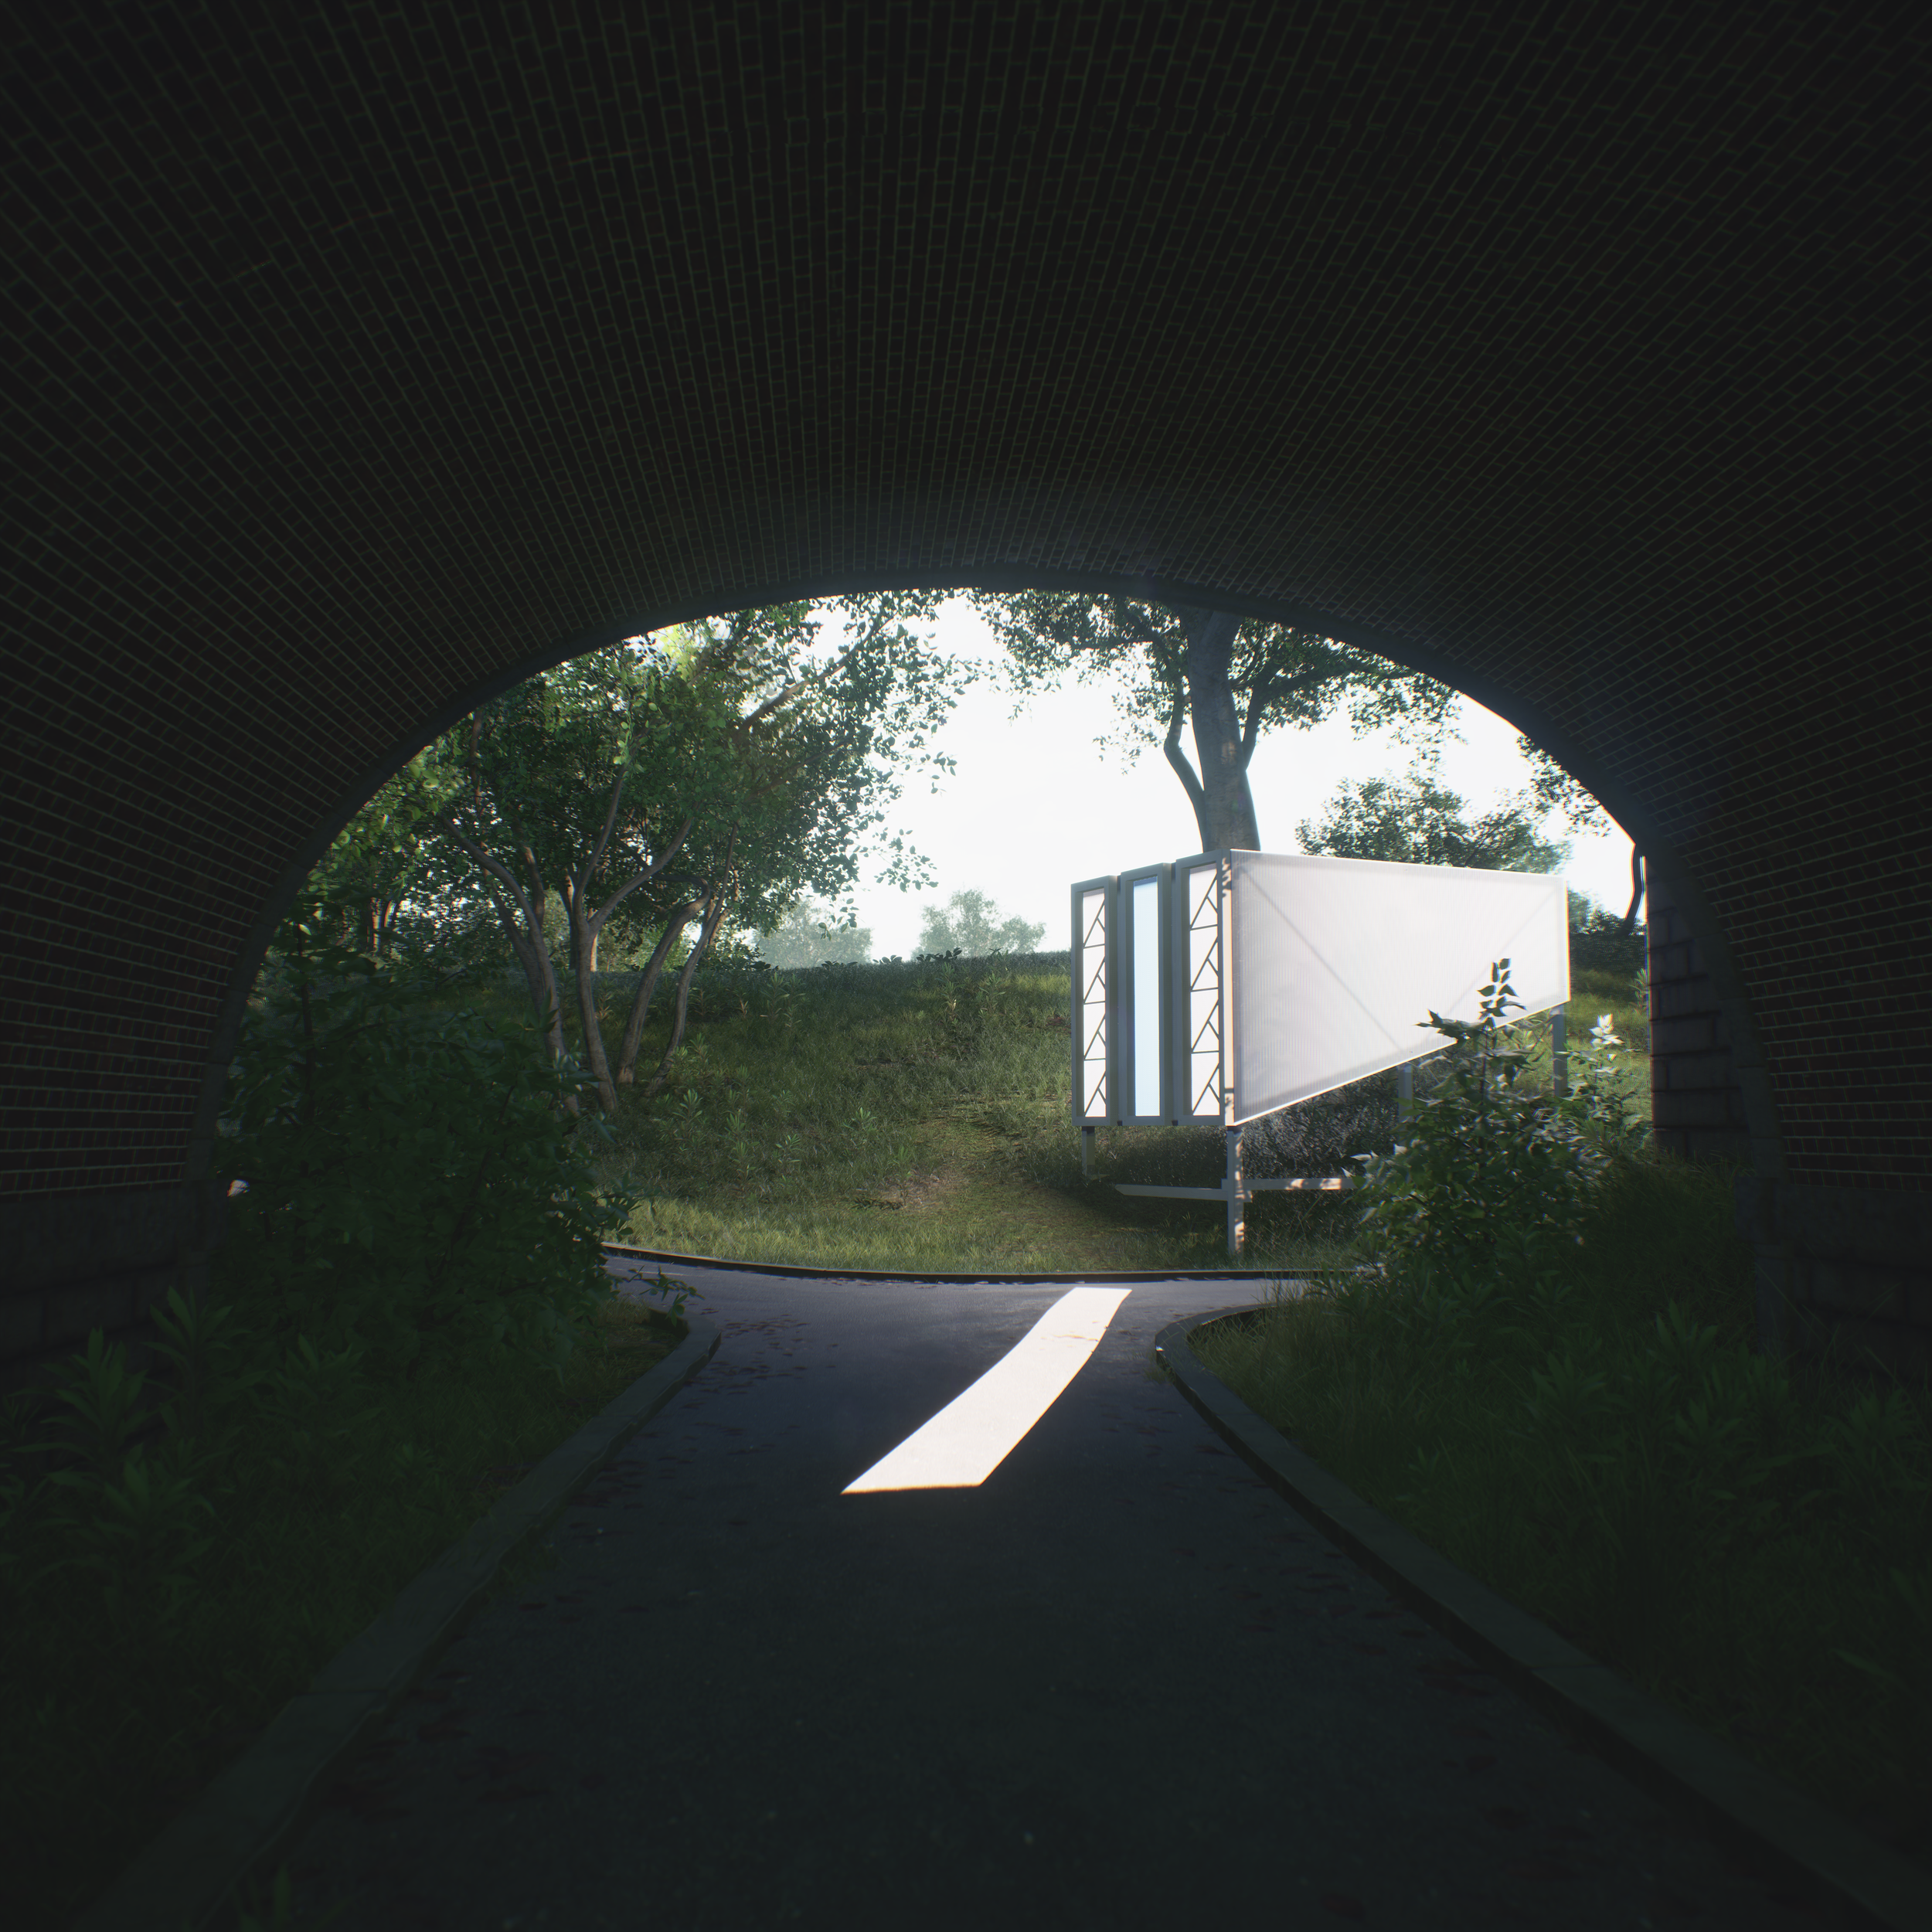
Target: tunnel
(361, 365)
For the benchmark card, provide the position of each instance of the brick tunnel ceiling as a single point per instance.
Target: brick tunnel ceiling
(361, 361)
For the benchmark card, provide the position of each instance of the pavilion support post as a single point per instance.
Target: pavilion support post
(1237, 1224)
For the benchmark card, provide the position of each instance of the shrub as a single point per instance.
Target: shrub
(1487, 1181)
(416, 1185)
(1596, 1100)
(1598, 943)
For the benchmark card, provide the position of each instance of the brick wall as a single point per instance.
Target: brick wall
(1697, 1108)
(1843, 1272)
(361, 364)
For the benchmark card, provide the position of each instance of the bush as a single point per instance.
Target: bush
(1488, 1182)
(1599, 943)
(416, 1185)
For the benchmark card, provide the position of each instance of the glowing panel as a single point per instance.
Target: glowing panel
(1146, 996)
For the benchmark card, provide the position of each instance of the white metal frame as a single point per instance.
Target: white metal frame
(1201, 940)
(1090, 1015)
(1194, 1013)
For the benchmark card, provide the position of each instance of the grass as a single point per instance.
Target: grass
(912, 1116)
(1751, 1546)
(909, 1117)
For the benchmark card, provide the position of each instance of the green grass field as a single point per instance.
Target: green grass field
(908, 1117)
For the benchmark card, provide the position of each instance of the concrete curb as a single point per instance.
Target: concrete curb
(664, 1257)
(242, 1826)
(1854, 1880)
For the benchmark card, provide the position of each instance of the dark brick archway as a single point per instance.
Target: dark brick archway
(358, 364)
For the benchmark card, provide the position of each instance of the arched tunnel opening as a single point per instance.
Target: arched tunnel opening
(362, 367)
(1706, 1097)
(657, 935)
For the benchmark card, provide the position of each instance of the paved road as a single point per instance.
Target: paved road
(1119, 1685)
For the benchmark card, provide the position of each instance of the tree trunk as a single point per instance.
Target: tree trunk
(1223, 805)
(714, 916)
(640, 1006)
(526, 941)
(540, 975)
(584, 934)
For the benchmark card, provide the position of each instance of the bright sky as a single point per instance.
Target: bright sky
(1035, 805)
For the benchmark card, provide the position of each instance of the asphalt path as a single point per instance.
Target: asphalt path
(1119, 1683)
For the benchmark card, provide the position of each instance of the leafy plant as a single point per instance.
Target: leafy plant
(1598, 1099)
(1488, 1176)
(138, 1532)
(414, 1190)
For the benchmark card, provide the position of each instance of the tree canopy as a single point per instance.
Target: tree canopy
(724, 771)
(1419, 822)
(812, 934)
(1233, 677)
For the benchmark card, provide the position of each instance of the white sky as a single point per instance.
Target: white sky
(1035, 805)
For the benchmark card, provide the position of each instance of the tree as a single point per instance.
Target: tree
(799, 765)
(1232, 677)
(553, 799)
(725, 770)
(1422, 823)
(966, 924)
(809, 935)
(382, 857)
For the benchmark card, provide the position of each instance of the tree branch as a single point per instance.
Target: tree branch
(805, 683)
(588, 870)
(1178, 758)
(494, 868)
(650, 872)
(1266, 693)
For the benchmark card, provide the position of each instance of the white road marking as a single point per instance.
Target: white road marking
(976, 1432)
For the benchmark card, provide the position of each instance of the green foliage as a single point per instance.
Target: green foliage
(969, 924)
(415, 1187)
(383, 861)
(1488, 1177)
(1421, 823)
(1599, 943)
(1280, 674)
(1598, 1442)
(1598, 1099)
(786, 759)
(413, 1296)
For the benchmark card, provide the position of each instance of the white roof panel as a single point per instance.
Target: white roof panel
(1336, 961)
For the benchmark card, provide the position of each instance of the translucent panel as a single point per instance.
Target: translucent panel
(1336, 960)
(1201, 996)
(1146, 928)
(1090, 1028)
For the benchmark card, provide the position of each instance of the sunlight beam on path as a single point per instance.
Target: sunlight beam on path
(975, 1432)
